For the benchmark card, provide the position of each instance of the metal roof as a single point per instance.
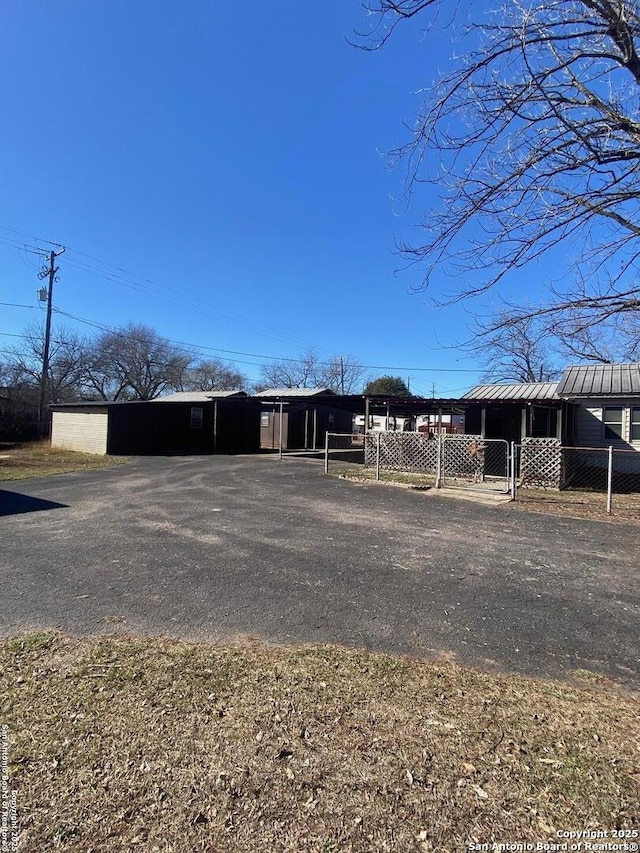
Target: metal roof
(600, 380)
(196, 396)
(514, 391)
(295, 392)
(95, 404)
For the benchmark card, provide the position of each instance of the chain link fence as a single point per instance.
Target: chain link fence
(412, 452)
(540, 472)
(473, 462)
(599, 479)
(465, 461)
(343, 450)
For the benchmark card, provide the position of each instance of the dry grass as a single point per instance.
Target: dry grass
(123, 744)
(358, 473)
(38, 459)
(580, 504)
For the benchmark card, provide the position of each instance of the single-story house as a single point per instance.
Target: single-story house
(591, 406)
(187, 421)
(606, 399)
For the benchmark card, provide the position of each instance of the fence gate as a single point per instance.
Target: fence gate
(473, 462)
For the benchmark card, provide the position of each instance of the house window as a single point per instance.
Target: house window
(635, 423)
(196, 417)
(264, 419)
(612, 419)
(543, 422)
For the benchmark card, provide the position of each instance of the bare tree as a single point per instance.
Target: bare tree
(342, 374)
(517, 350)
(212, 375)
(291, 372)
(533, 135)
(611, 342)
(67, 360)
(135, 363)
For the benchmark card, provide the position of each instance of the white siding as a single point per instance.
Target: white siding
(589, 426)
(85, 431)
(589, 429)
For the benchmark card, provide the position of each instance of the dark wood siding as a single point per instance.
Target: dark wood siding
(156, 428)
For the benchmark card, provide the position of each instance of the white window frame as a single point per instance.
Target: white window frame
(606, 424)
(197, 417)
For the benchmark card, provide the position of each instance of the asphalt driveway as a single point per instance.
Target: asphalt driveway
(217, 547)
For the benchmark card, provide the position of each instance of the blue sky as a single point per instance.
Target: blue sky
(228, 157)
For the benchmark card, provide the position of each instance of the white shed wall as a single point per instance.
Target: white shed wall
(83, 431)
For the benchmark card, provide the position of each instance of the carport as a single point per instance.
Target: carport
(294, 419)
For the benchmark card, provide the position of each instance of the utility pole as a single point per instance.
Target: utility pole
(51, 273)
(341, 375)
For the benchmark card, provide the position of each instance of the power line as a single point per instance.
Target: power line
(17, 305)
(175, 297)
(146, 285)
(103, 327)
(272, 357)
(31, 237)
(21, 247)
(185, 301)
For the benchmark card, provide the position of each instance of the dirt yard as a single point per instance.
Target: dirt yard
(580, 504)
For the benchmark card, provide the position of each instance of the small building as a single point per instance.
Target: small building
(187, 421)
(306, 414)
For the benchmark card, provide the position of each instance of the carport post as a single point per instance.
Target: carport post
(387, 421)
(609, 478)
(326, 452)
(215, 425)
(366, 415)
(306, 429)
(315, 426)
(280, 434)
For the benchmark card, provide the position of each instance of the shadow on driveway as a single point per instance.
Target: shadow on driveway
(13, 503)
